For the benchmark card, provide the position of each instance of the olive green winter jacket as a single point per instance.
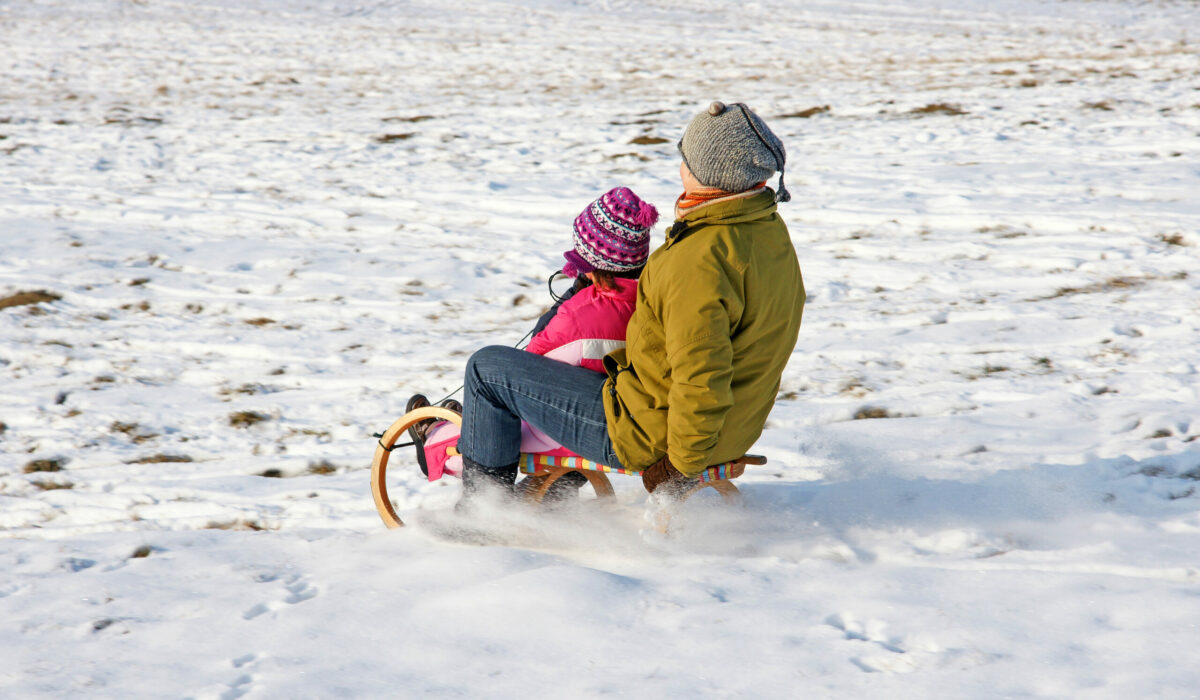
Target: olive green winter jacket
(718, 312)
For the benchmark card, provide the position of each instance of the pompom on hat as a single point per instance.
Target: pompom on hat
(730, 148)
(612, 234)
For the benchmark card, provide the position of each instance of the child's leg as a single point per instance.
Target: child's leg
(505, 385)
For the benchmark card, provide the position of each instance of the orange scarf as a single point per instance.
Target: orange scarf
(691, 200)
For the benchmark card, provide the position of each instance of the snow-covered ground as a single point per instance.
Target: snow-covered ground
(260, 226)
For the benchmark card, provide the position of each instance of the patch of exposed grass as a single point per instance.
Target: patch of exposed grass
(806, 113)
(236, 525)
(853, 385)
(260, 321)
(131, 429)
(635, 122)
(1001, 231)
(639, 156)
(142, 552)
(1102, 106)
(1173, 239)
(122, 117)
(162, 459)
(392, 138)
(310, 432)
(249, 389)
(870, 412)
(53, 485)
(44, 465)
(322, 467)
(938, 108)
(409, 120)
(26, 298)
(1110, 285)
(648, 141)
(272, 473)
(245, 419)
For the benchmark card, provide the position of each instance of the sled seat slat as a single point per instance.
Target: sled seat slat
(536, 464)
(539, 463)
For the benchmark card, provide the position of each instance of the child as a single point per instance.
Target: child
(611, 242)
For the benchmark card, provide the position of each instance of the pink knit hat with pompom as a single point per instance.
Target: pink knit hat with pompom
(612, 234)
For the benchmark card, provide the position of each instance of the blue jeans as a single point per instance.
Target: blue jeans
(505, 385)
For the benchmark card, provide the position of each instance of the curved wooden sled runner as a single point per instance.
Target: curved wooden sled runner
(543, 470)
(383, 452)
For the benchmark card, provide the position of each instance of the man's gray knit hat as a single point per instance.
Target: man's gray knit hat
(732, 149)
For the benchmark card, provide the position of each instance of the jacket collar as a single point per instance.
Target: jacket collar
(733, 211)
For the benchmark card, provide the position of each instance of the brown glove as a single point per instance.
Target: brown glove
(660, 473)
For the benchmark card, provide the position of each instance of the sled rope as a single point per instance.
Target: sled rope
(389, 449)
(518, 345)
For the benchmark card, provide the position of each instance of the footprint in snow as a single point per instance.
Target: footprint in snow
(865, 631)
(297, 591)
(75, 564)
(238, 688)
(300, 592)
(872, 632)
(885, 653)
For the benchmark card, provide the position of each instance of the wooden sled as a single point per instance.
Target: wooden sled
(543, 470)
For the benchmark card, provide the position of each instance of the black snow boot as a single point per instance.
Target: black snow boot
(480, 481)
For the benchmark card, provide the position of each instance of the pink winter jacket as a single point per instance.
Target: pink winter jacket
(588, 326)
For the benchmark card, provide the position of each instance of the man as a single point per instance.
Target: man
(717, 317)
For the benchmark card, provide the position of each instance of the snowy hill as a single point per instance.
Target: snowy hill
(236, 236)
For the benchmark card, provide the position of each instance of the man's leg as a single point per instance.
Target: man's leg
(505, 386)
